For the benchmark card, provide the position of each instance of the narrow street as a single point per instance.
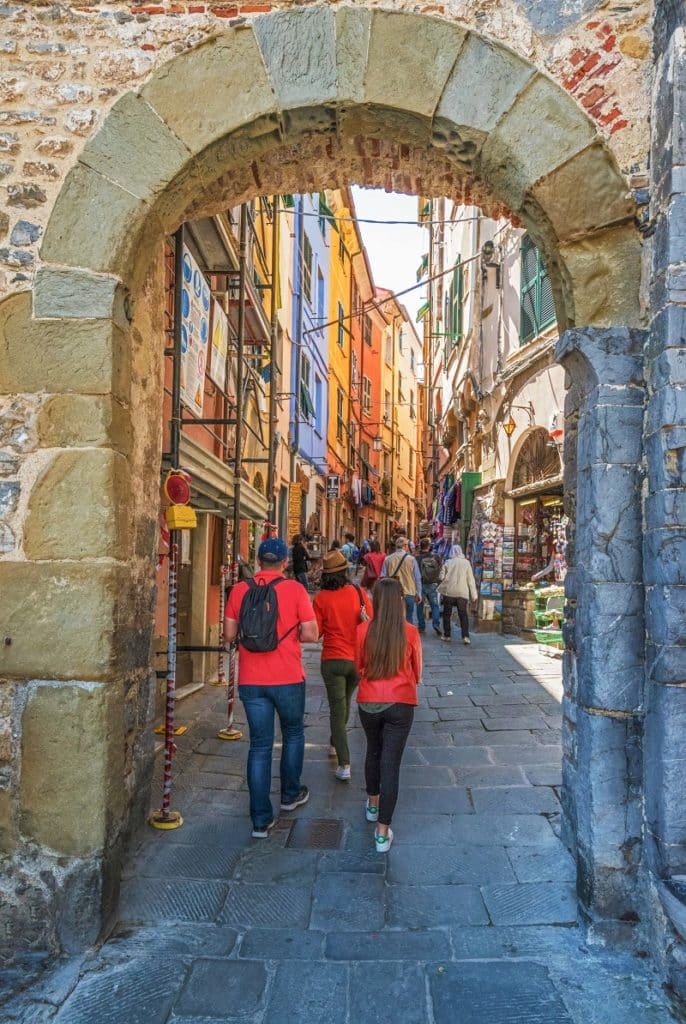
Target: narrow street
(469, 920)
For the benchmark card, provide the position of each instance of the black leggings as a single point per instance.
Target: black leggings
(461, 604)
(386, 733)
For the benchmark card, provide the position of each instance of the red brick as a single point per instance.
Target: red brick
(609, 44)
(618, 125)
(225, 12)
(149, 47)
(150, 9)
(196, 8)
(255, 8)
(578, 56)
(592, 96)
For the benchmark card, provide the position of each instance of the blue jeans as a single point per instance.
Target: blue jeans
(260, 703)
(411, 607)
(430, 594)
(301, 577)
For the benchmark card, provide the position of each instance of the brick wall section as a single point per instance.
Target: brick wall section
(64, 65)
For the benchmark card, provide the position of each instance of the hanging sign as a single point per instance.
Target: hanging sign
(333, 487)
(195, 334)
(220, 346)
(295, 503)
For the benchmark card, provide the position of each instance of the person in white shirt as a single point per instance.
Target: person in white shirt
(457, 587)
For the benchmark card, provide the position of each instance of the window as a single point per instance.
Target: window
(366, 395)
(307, 260)
(341, 249)
(368, 331)
(410, 462)
(352, 435)
(413, 412)
(353, 370)
(340, 423)
(399, 449)
(454, 298)
(364, 458)
(400, 340)
(318, 406)
(386, 464)
(341, 327)
(306, 404)
(412, 362)
(323, 211)
(537, 309)
(388, 350)
(387, 406)
(400, 388)
(320, 297)
(355, 297)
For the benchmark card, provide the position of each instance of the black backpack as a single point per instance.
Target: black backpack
(430, 568)
(258, 617)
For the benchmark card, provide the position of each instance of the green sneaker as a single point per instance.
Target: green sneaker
(383, 843)
(371, 813)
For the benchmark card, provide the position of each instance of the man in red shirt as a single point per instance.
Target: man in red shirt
(272, 681)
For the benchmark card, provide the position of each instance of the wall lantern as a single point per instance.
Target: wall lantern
(377, 444)
(509, 426)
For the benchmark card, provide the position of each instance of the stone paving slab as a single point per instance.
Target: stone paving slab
(305, 993)
(515, 800)
(515, 993)
(139, 992)
(222, 988)
(451, 865)
(248, 905)
(415, 945)
(531, 903)
(282, 944)
(389, 992)
(151, 900)
(348, 901)
(432, 906)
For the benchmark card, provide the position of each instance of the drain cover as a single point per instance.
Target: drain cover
(316, 834)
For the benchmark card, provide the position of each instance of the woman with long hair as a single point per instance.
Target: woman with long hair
(339, 607)
(388, 657)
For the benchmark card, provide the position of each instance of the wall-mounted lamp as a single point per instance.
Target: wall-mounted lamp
(377, 444)
(509, 426)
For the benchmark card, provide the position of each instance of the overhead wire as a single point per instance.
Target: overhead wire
(369, 220)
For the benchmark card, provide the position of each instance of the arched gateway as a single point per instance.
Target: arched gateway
(297, 100)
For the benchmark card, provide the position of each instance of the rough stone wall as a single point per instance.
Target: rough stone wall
(65, 65)
(664, 506)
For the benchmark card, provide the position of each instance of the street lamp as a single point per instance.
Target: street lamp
(377, 444)
(509, 426)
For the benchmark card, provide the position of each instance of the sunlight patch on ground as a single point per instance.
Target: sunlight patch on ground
(545, 670)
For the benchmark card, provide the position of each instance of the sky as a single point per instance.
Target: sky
(395, 251)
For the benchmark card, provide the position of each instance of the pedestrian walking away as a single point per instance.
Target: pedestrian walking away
(301, 560)
(430, 565)
(372, 563)
(270, 617)
(388, 657)
(350, 550)
(401, 565)
(339, 606)
(457, 588)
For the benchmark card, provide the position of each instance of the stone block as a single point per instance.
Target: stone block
(668, 369)
(563, 194)
(373, 992)
(666, 408)
(607, 799)
(611, 357)
(610, 435)
(410, 48)
(80, 892)
(609, 665)
(609, 529)
(666, 458)
(517, 154)
(666, 615)
(352, 46)
(8, 832)
(664, 555)
(216, 987)
(299, 51)
(322, 994)
(403, 945)
(511, 993)
(667, 331)
(75, 421)
(78, 235)
(135, 149)
(665, 664)
(665, 508)
(84, 356)
(60, 294)
(60, 618)
(348, 902)
(435, 906)
(283, 944)
(475, 109)
(665, 775)
(99, 527)
(531, 903)
(604, 270)
(185, 95)
(64, 769)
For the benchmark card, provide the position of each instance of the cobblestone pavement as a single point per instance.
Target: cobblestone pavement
(470, 918)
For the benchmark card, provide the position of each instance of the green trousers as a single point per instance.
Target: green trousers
(340, 679)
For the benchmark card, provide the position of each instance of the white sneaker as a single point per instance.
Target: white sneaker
(466, 640)
(263, 833)
(332, 751)
(383, 843)
(371, 813)
(343, 773)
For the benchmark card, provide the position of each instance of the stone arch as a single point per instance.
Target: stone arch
(301, 92)
(532, 435)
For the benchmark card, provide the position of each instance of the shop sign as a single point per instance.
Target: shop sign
(220, 347)
(195, 334)
(295, 504)
(333, 487)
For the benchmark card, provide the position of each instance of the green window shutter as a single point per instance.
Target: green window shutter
(528, 322)
(547, 303)
(288, 201)
(457, 296)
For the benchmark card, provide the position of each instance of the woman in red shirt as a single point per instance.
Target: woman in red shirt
(373, 564)
(388, 657)
(339, 607)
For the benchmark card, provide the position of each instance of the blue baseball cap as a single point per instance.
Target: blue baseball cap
(272, 550)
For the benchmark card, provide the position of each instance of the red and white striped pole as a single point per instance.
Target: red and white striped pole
(229, 732)
(165, 818)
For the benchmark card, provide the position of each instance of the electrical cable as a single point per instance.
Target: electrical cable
(367, 220)
(388, 298)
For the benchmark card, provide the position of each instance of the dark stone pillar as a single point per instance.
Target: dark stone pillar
(603, 662)
(665, 505)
